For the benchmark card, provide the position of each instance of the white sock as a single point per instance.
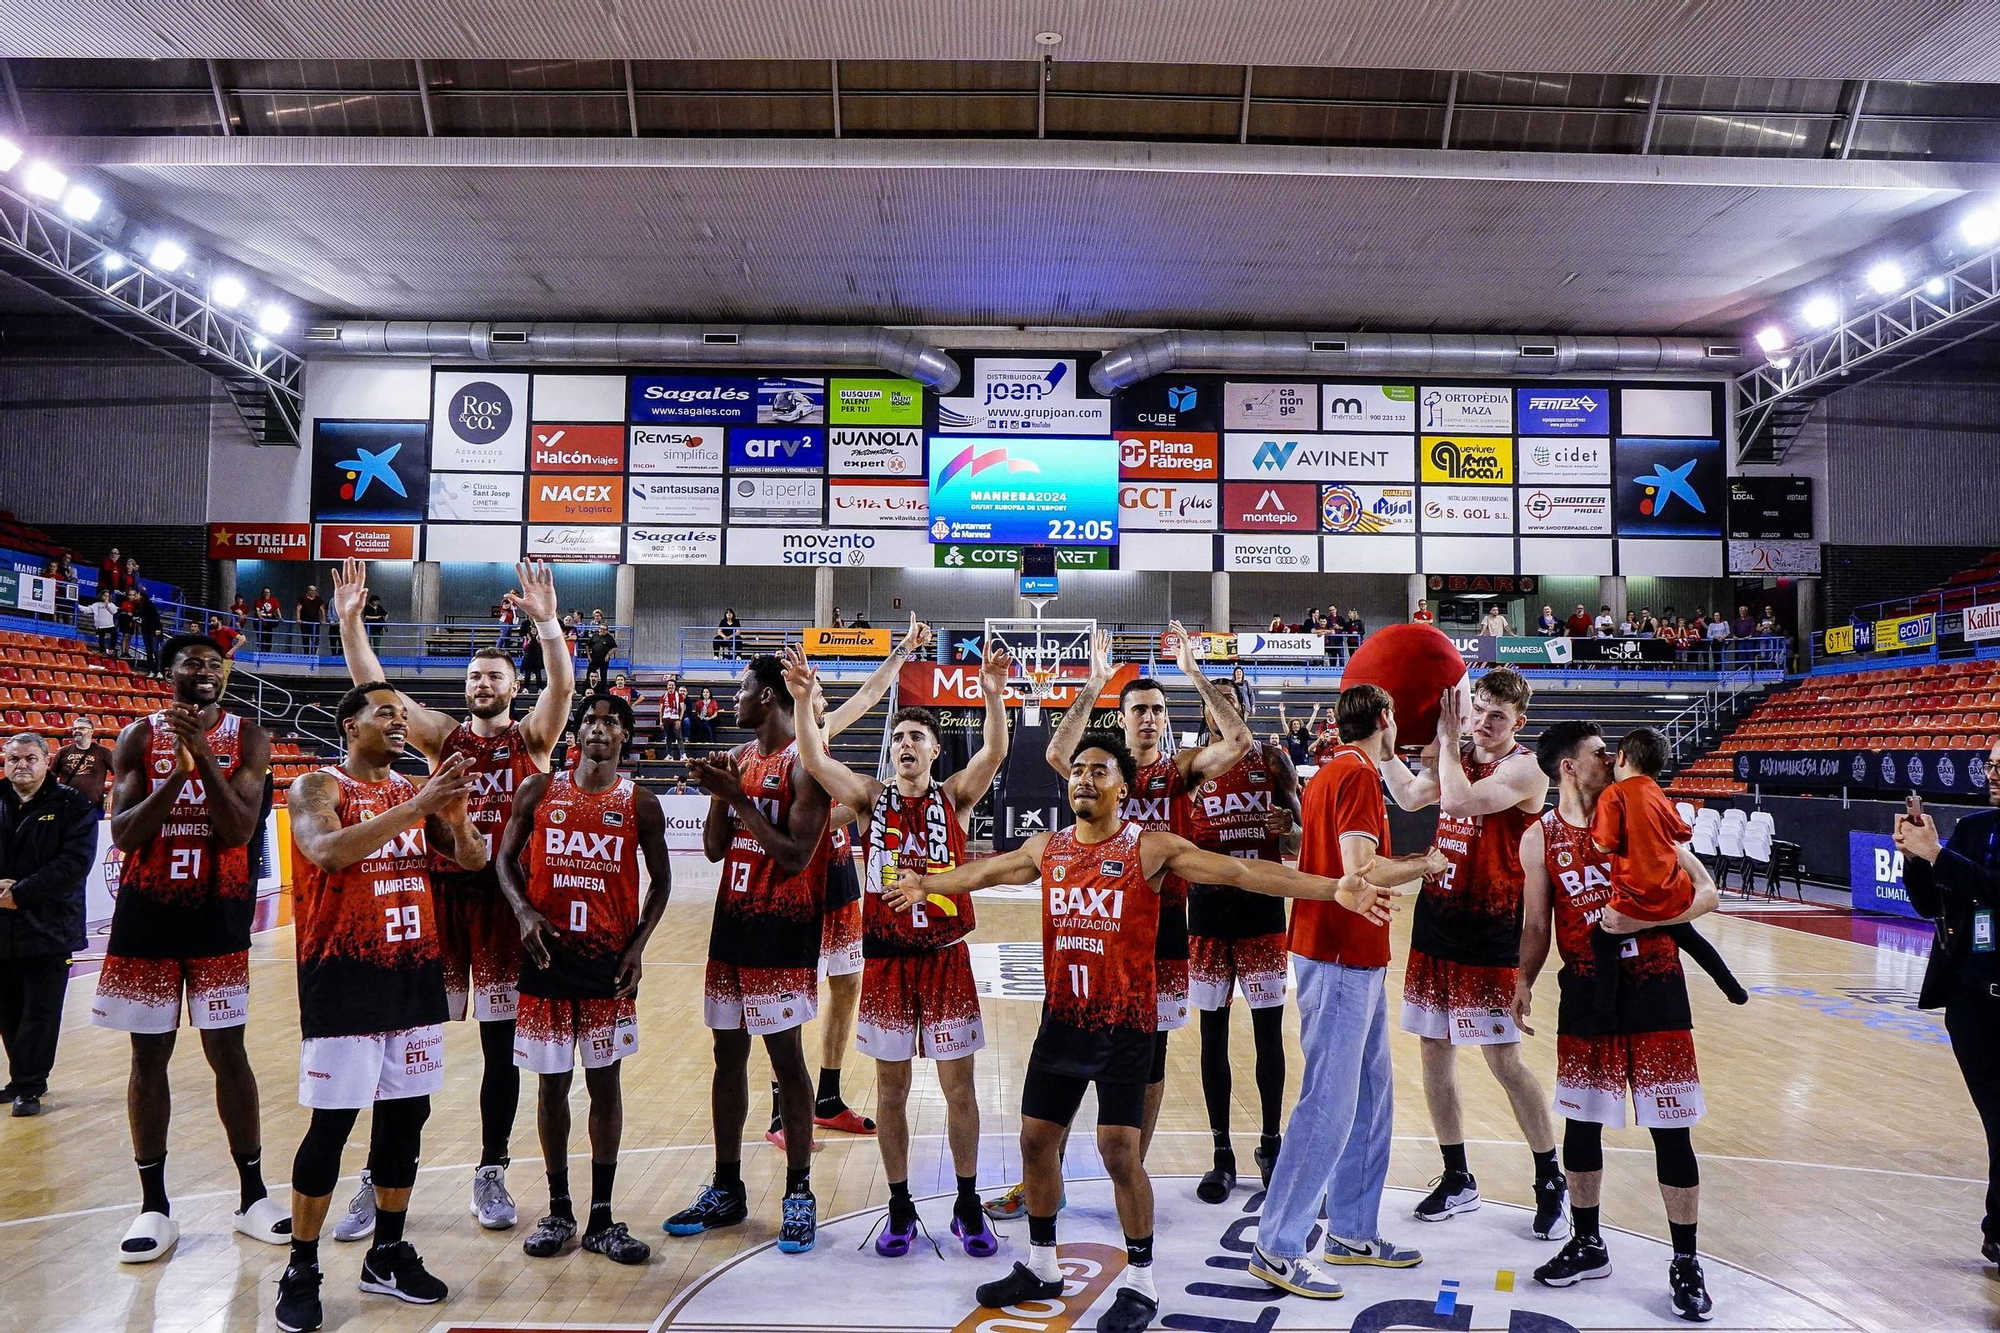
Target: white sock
(1042, 1263)
(1140, 1279)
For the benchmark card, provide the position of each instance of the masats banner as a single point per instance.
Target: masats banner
(576, 448)
(1168, 456)
(883, 402)
(1025, 396)
(678, 450)
(1368, 407)
(931, 685)
(1368, 510)
(1293, 646)
(259, 541)
(875, 451)
(1167, 507)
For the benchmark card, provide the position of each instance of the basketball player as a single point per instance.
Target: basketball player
(371, 989)
(1236, 940)
(476, 933)
(1649, 1048)
(569, 865)
(767, 821)
(1465, 937)
(1102, 887)
(1154, 801)
(187, 798)
(917, 993)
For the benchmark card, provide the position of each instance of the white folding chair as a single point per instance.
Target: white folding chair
(1757, 855)
(1685, 811)
(1763, 817)
(1704, 843)
(1729, 852)
(1734, 815)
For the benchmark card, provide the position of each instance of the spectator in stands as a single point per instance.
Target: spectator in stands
(239, 614)
(1645, 626)
(725, 635)
(839, 621)
(269, 613)
(1295, 735)
(570, 641)
(1354, 627)
(1578, 623)
(680, 787)
(1277, 625)
(534, 667)
(146, 615)
(1422, 615)
(1626, 627)
(673, 714)
(621, 688)
(1246, 698)
(374, 615)
(1744, 626)
(1718, 628)
(861, 621)
(1768, 622)
(111, 571)
(48, 838)
(1667, 616)
(130, 579)
(505, 643)
(1495, 622)
(226, 638)
(104, 620)
(128, 623)
(311, 616)
(1604, 624)
(598, 644)
(83, 765)
(1548, 626)
(703, 722)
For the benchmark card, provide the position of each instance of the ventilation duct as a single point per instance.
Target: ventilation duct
(1401, 354)
(652, 344)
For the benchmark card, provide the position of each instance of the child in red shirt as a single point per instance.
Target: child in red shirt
(1639, 829)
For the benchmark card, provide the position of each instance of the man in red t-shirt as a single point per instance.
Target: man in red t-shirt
(1337, 1145)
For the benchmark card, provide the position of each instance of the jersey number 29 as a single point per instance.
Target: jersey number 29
(402, 923)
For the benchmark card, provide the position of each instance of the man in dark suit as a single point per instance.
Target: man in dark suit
(1957, 885)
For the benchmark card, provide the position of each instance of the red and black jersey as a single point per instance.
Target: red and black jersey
(912, 835)
(1155, 803)
(367, 935)
(1652, 992)
(1470, 912)
(1100, 924)
(500, 764)
(582, 865)
(843, 882)
(763, 917)
(1226, 814)
(182, 895)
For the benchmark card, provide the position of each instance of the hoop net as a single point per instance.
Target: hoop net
(1046, 653)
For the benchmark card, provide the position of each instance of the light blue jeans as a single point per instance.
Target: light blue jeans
(1337, 1144)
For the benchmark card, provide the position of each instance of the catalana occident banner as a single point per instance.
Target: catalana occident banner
(1957, 773)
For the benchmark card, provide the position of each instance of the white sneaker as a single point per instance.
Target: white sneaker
(491, 1203)
(358, 1222)
(1299, 1276)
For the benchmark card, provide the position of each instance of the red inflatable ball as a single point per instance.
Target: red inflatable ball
(1415, 663)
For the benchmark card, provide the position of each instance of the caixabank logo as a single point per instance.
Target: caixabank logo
(1483, 1260)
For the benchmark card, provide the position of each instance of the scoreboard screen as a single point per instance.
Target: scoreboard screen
(1030, 491)
(1771, 509)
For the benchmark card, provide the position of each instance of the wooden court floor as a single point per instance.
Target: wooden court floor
(1840, 1157)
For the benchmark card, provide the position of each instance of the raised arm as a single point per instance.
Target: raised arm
(791, 847)
(1233, 739)
(856, 705)
(428, 727)
(1168, 852)
(314, 802)
(1519, 782)
(1023, 865)
(1076, 718)
(659, 871)
(964, 788)
(843, 785)
(536, 604)
(1411, 791)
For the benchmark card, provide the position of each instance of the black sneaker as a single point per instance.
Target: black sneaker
(298, 1300)
(713, 1207)
(1691, 1300)
(1129, 1313)
(618, 1245)
(1452, 1193)
(1552, 1207)
(550, 1237)
(1991, 1251)
(798, 1225)
(26, 1105)
(1019, 1285)
(398, 1270)
(1266, 1156)
(1583, 1258)
(1219, 1180)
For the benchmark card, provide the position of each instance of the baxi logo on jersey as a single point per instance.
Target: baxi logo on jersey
(1107, 904)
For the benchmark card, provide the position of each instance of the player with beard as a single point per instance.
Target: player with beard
(1465, 935)
(767, 824)
(476, 931)
(371, 992)
(188, 788)
(569, 865)
(917, 991)
(1102, 882)
(1155, 800)
(1649, 1047)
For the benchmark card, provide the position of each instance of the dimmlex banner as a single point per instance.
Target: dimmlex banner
(1943, 773)
(824, 642)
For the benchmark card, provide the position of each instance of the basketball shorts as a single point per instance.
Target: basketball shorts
(1170, 991)
(1594, 1073)
(922, 1004)
(759, 1000)
(551, 1035)
(1218, 968)
(1466, 1004)
(1057, 1097)
(840, 940)
(144, 994)
(342, 1073)
(480, 945)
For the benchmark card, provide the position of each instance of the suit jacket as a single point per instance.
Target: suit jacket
(1964, 878)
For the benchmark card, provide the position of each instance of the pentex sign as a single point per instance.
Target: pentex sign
(259, 541)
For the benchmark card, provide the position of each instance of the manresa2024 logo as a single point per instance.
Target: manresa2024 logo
(481, 412)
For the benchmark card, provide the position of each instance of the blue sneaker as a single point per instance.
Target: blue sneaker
(713, 1207)
(801, 1224)
(1376, 1253)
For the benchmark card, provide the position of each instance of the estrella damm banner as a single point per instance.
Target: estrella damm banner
(1479, 460)
(1906, 632)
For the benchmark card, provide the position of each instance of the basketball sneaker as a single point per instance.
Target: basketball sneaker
(1691, 1300)
(1300, 1276)
(298, 1300)
(1012, 1205)
(1583, 1258)
(398, 1270)
(713, 1207)
(358, 1222)
(491, 1203)
(1552, 1207)
(1375, 1253)
(617, 1244)
(1990, 1251)
(550, 1237)
(799, 1227)
(1452, 1193)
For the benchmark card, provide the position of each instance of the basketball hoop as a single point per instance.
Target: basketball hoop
(1041, 683)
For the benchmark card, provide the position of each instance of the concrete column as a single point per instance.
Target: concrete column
(1419, 591)
(1808, 616)
(225, 583)
(625, 601)
(1218, 602)
(822, 595)
(426, 591)
(1611, 592)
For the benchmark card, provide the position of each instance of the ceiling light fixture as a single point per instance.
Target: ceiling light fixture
(1770, 338)
(82, 203)
(1980, 227)
(1934, 287)
(1821, 311)
(1886, 277)
(113, 261)
(167, 256)
(274, 319)
(227, 291)
(10, 153)
(44, 180)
